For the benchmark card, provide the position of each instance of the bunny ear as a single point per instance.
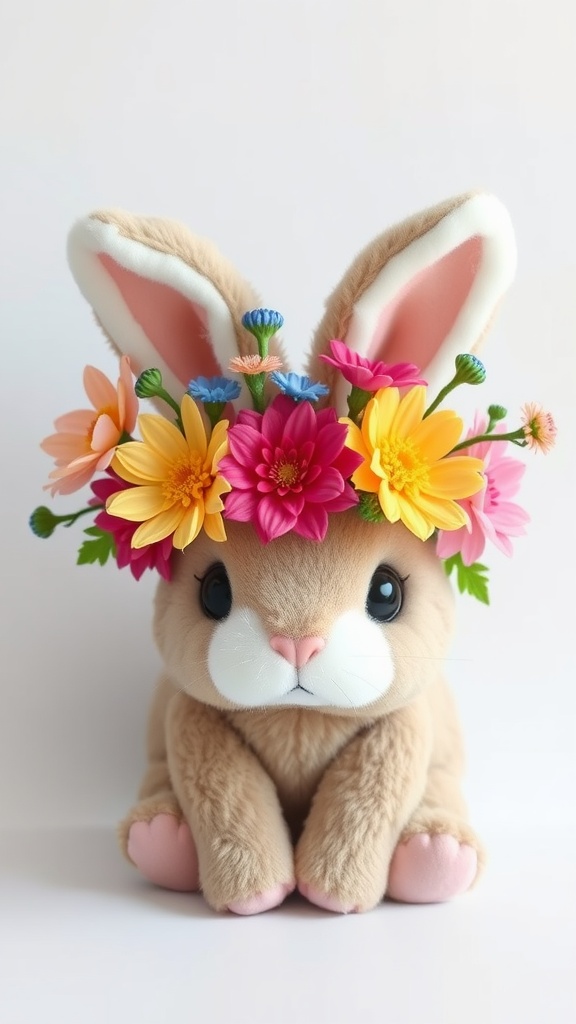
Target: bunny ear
(422, 292)
(163, 297)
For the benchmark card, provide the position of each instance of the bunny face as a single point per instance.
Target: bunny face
(355, 625)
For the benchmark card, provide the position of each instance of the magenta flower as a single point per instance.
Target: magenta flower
(152, 556)
(492, 515)
(288, 468)
(369, 375)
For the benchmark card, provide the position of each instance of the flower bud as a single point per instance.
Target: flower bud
(497, 413)
(43, 522)
(369, 508)
(262, 323)
(149, 384)
(469, 369)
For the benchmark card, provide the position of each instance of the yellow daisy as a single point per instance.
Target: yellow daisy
(405, 464)
(179, 490)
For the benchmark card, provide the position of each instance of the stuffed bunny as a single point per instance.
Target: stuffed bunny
(302, 734)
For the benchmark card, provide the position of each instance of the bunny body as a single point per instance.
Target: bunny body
(296, 741)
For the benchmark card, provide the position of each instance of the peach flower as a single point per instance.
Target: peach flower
(86, 439)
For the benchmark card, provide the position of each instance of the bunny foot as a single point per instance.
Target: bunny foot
(324, 901)
(431, 869)
(164, 852)
(262, 900)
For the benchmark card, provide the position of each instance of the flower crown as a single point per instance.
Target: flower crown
(284, 466)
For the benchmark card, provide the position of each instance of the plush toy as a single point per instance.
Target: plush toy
(302, 734)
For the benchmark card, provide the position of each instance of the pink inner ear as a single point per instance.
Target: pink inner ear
(414, 326)
(176, 327)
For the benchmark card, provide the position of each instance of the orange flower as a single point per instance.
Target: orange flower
(86, 439)
(539, 427)
(255, 364)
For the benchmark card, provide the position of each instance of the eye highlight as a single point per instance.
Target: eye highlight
(215, 592)
(385, 594)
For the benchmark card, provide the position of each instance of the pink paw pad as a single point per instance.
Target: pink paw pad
(324, 901)
(165, 853)
(262, 901)
(431, 869)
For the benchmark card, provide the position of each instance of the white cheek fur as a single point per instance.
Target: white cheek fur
(354, 669)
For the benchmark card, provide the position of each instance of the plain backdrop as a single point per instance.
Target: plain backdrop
(290, 133)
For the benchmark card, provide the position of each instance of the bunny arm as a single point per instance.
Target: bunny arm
(362, 804)
(243, 843)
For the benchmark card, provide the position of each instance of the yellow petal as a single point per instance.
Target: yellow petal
(159, 527)
(141, 464)
(389, 502)
(438, 434)
(410, 412)
(214, 527)
(413, 518)
(193, 426)
(444, 514)
(218, 446)
(212, 500)
(189, 526)
(457, 477)
(163, 437)
(365, 480)
(379, 415)
(137, 503)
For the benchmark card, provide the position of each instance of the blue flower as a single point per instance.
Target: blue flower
(297, 387)
(213, 389)
(268, 320)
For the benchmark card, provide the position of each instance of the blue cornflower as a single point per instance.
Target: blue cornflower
(268, 320)
(297, 387)
(213, 389)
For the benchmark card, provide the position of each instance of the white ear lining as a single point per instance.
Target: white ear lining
(481, 216)
(89, 238)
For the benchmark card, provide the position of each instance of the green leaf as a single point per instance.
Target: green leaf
(470, 579)
(98, 550)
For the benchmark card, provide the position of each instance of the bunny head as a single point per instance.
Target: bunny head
(355, 624)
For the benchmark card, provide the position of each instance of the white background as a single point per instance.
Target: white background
(290, 133)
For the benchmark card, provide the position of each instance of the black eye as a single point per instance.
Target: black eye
(215, 592)
(385, 594)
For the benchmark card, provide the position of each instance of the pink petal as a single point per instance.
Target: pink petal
(99, 389)
(313, 523)
(127, 400)
(245, 444)
(236, 474)
(347, 462)
(240, 505)
(330, 442)
(300, 425)
(347, 499)
(329, 485)
(473, 545)
(64, 447)
(272, 519)
(293, 503)
(449, 542)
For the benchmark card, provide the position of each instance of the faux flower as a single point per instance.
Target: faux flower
(404, 463)
(539, 427)
(179, 486)
(214, 389)
(297, 387)
(369, 375)
(262, 323)
(492, 515)
(151, 556)
(255, 364)
(86, 439)
(288, 468)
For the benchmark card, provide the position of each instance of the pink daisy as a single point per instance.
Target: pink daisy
(368, 374)
(493, 516)
(288, 468)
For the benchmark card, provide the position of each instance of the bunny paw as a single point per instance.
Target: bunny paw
(262, 900)
(164, 852)
(324, 901)
(431, 869)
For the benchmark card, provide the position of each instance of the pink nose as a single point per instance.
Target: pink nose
(297, 652)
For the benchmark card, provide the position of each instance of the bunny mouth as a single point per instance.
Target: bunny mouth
(300, 687)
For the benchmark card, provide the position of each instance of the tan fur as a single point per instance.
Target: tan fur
(172, 238)
(281, 795)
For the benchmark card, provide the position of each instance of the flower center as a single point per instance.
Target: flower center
(285, 473)
(402, 464)
(187, 480)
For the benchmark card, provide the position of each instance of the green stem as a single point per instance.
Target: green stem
(70, 519)
(357, 401)
(163, 394)
(517, 437)
(441, 396)
(255, 383)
